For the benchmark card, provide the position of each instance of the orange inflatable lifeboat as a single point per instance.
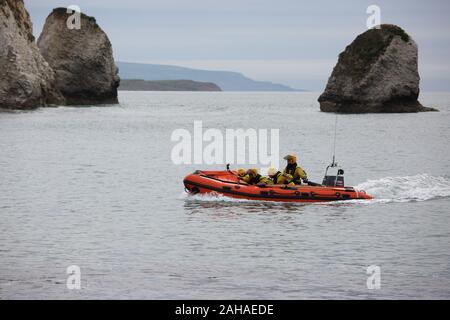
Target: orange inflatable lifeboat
(228, 184)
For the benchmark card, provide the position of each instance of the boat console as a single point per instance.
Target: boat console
(336, 179)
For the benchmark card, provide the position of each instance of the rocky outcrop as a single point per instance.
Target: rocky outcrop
(377, 72)
(81, 58)
(26, 79)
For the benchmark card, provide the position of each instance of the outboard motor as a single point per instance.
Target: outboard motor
(336, 180)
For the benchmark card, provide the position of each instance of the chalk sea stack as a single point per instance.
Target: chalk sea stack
(81, 58)
(26, 79)
(377, 72)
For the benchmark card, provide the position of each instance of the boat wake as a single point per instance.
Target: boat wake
(213, 198)
(420, 187)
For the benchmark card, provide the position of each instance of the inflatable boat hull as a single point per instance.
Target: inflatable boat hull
(227, 184)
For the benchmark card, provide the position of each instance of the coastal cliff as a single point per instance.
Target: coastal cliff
(26, 79)
(377, 72)
(81, 58)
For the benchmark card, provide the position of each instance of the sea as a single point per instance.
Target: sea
(92, 203)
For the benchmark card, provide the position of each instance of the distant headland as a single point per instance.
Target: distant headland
(166, 85)
(226, 80)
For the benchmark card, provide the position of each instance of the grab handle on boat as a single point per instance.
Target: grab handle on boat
(261, 185)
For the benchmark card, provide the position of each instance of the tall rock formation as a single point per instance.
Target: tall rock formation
(82, 59)
(377, 72)
(26, 79)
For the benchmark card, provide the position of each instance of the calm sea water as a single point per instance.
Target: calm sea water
(95, 187)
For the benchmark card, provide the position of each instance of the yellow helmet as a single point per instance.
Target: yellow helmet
(252, 171)
(291, 156)
(241, 172)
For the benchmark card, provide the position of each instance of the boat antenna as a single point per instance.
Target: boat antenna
(333, 164)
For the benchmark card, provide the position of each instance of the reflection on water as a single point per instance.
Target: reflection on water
(195, 206)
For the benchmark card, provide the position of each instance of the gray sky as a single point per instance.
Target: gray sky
(287, 41)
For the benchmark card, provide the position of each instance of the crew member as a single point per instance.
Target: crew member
(255, 178)
(278, 177)
(292, 168)
(241, 172)
(242, 175)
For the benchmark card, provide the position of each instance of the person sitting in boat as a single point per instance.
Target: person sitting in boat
(292, 168)
(241, 173)
(254, 178)
(278, 177)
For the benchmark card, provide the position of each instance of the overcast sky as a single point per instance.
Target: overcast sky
(287, 41)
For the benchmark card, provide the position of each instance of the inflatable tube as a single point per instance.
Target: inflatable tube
(228, 184)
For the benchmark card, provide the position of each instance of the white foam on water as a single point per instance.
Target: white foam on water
(420, 187)
(210, 197)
